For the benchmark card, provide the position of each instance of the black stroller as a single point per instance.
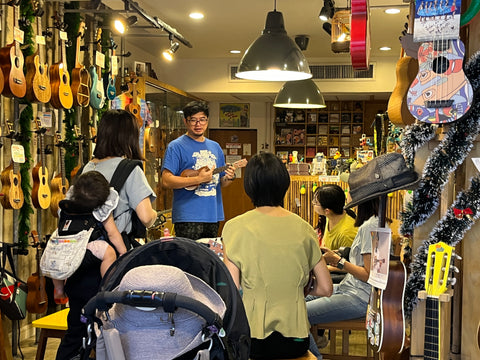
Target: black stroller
(228, 335)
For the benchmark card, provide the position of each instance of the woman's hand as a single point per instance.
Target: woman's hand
(331, 257)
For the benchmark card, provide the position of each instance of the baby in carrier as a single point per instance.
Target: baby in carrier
(91, 194)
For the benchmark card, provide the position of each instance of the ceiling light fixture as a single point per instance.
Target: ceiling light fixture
(327, 10)
(300, 94)
(235, 51)
(385, 48)
(196, 15)
(274, 56)
(169, 53)
(121, 24)
(392, 11)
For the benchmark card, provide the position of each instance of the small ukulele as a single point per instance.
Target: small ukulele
(80, 75)
(59, 184)
(97, 92)
(59, 77)
(134, 108)
(191, 173)
(11, 62)
(37, 300)
(11, 181)
(79, 139)
(37, 78)
(41, 195)
(109, 81)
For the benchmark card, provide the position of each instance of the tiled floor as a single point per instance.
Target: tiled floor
(29, 348)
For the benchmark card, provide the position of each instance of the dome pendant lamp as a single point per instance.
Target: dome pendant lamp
(274, 56)
(300, 94)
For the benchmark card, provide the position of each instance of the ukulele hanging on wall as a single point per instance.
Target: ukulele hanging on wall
(97, 92)
(80, 76)
(41, 195)
(59, 184)
(440, 93)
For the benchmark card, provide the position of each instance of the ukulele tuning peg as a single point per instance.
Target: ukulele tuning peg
(68, 43)
(452, 281)
(455, 269)
(24, 22)
(39, 12)
(457, 257)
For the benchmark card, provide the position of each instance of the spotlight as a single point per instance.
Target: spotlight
(328, 28)
(122, 24)
(302, 41)
(168, 54)
(327, 10)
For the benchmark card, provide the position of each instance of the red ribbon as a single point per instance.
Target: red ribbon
(460, 212)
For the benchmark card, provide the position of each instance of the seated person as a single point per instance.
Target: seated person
(270, 253)
(336, 225)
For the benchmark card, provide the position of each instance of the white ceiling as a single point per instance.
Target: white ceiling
(232, 24)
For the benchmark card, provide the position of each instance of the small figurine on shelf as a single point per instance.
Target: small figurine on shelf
(337, 155)
(369, 142)
(290, 158)
(363, 140)
(314, 187)
(294, 157)
(302, 189)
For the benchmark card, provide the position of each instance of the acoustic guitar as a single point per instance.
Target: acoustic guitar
(41, 195)
(360, 35)
(11, 62)
(134, 108)
(406, 70)
(80, 76)
(37, 300)
(440, 93)
(11, 181)
(59, 77)
(79, 139)
(109, 81)
(191, 173)
(37, 78)
(437, 281)
(97, 92)
(59, 184)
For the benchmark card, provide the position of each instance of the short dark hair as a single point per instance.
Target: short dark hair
(331, 196)
(266, 180)
(194, 107)
(91, 190)
(118, 135)
(366, 210)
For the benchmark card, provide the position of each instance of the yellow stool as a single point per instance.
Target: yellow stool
(51, 326)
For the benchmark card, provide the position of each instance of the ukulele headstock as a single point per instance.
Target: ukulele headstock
(439, 267)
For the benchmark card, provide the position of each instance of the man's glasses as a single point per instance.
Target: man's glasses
(201, 121)
(315, 202)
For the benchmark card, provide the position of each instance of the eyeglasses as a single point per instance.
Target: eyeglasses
(315, 202)
(194, 121)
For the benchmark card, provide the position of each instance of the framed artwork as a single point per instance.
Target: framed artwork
(234, 115)
(312, 117)
(140, 68)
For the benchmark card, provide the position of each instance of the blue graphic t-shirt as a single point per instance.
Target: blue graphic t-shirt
(204, 204)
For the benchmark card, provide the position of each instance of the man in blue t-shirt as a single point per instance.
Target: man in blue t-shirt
(189, 169)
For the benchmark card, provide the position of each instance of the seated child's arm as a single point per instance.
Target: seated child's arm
(114, 235)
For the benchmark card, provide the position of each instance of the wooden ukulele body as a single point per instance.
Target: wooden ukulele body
(37, 80)
(81, 83)
(59, 187)
(41, 195)
(11, 190)
(12, 68)
(61, 91)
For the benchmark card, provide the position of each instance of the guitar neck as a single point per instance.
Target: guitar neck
(432, 329)
(220, 169)
(62, 166)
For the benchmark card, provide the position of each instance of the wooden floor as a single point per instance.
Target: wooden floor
(29, 348)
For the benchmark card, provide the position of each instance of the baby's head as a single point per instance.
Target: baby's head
(91, 190)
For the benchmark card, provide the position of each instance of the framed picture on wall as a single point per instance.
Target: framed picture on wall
(234, 115)
(140, 68)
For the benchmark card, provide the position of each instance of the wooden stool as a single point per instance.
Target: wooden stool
(51, 326)
(345, 326)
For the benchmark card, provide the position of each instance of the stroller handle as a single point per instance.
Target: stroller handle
(143, 298)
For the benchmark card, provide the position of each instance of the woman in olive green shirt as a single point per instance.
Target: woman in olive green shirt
(270, 252)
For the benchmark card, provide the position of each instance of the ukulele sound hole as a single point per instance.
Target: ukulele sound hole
(41, 69)
(17, 62)
(64, 79)
(440, 64)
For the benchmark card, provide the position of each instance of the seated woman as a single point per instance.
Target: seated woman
(270, 253)
(350, 297)
(339, 229)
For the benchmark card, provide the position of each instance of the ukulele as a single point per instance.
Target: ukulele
(406, 70)
(79, 139)
(97, 92)
(191, 173)
(134, 108)
(80, 75)
(37, 300)
(11, 62)
(37, 78)
(437, 281)
(41, 195)
(440, 93)
(11, 181)
(360, 35)
(59, 184)
(110, 90)
(59, 77)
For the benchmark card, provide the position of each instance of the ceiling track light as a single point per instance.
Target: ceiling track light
(168, 54)
(121, 24)
(327, 10)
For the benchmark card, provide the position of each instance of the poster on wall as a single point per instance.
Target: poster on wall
(234, 115)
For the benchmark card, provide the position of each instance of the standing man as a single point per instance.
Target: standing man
(197, 212)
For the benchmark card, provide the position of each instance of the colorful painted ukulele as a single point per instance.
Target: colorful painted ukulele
(440, 93)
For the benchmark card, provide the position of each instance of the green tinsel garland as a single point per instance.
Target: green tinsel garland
(445, 158)
(25, 124)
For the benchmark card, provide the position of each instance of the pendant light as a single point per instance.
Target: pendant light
(274, 56)
(300, 94)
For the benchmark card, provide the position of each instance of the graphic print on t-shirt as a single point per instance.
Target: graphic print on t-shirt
(206, 158)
